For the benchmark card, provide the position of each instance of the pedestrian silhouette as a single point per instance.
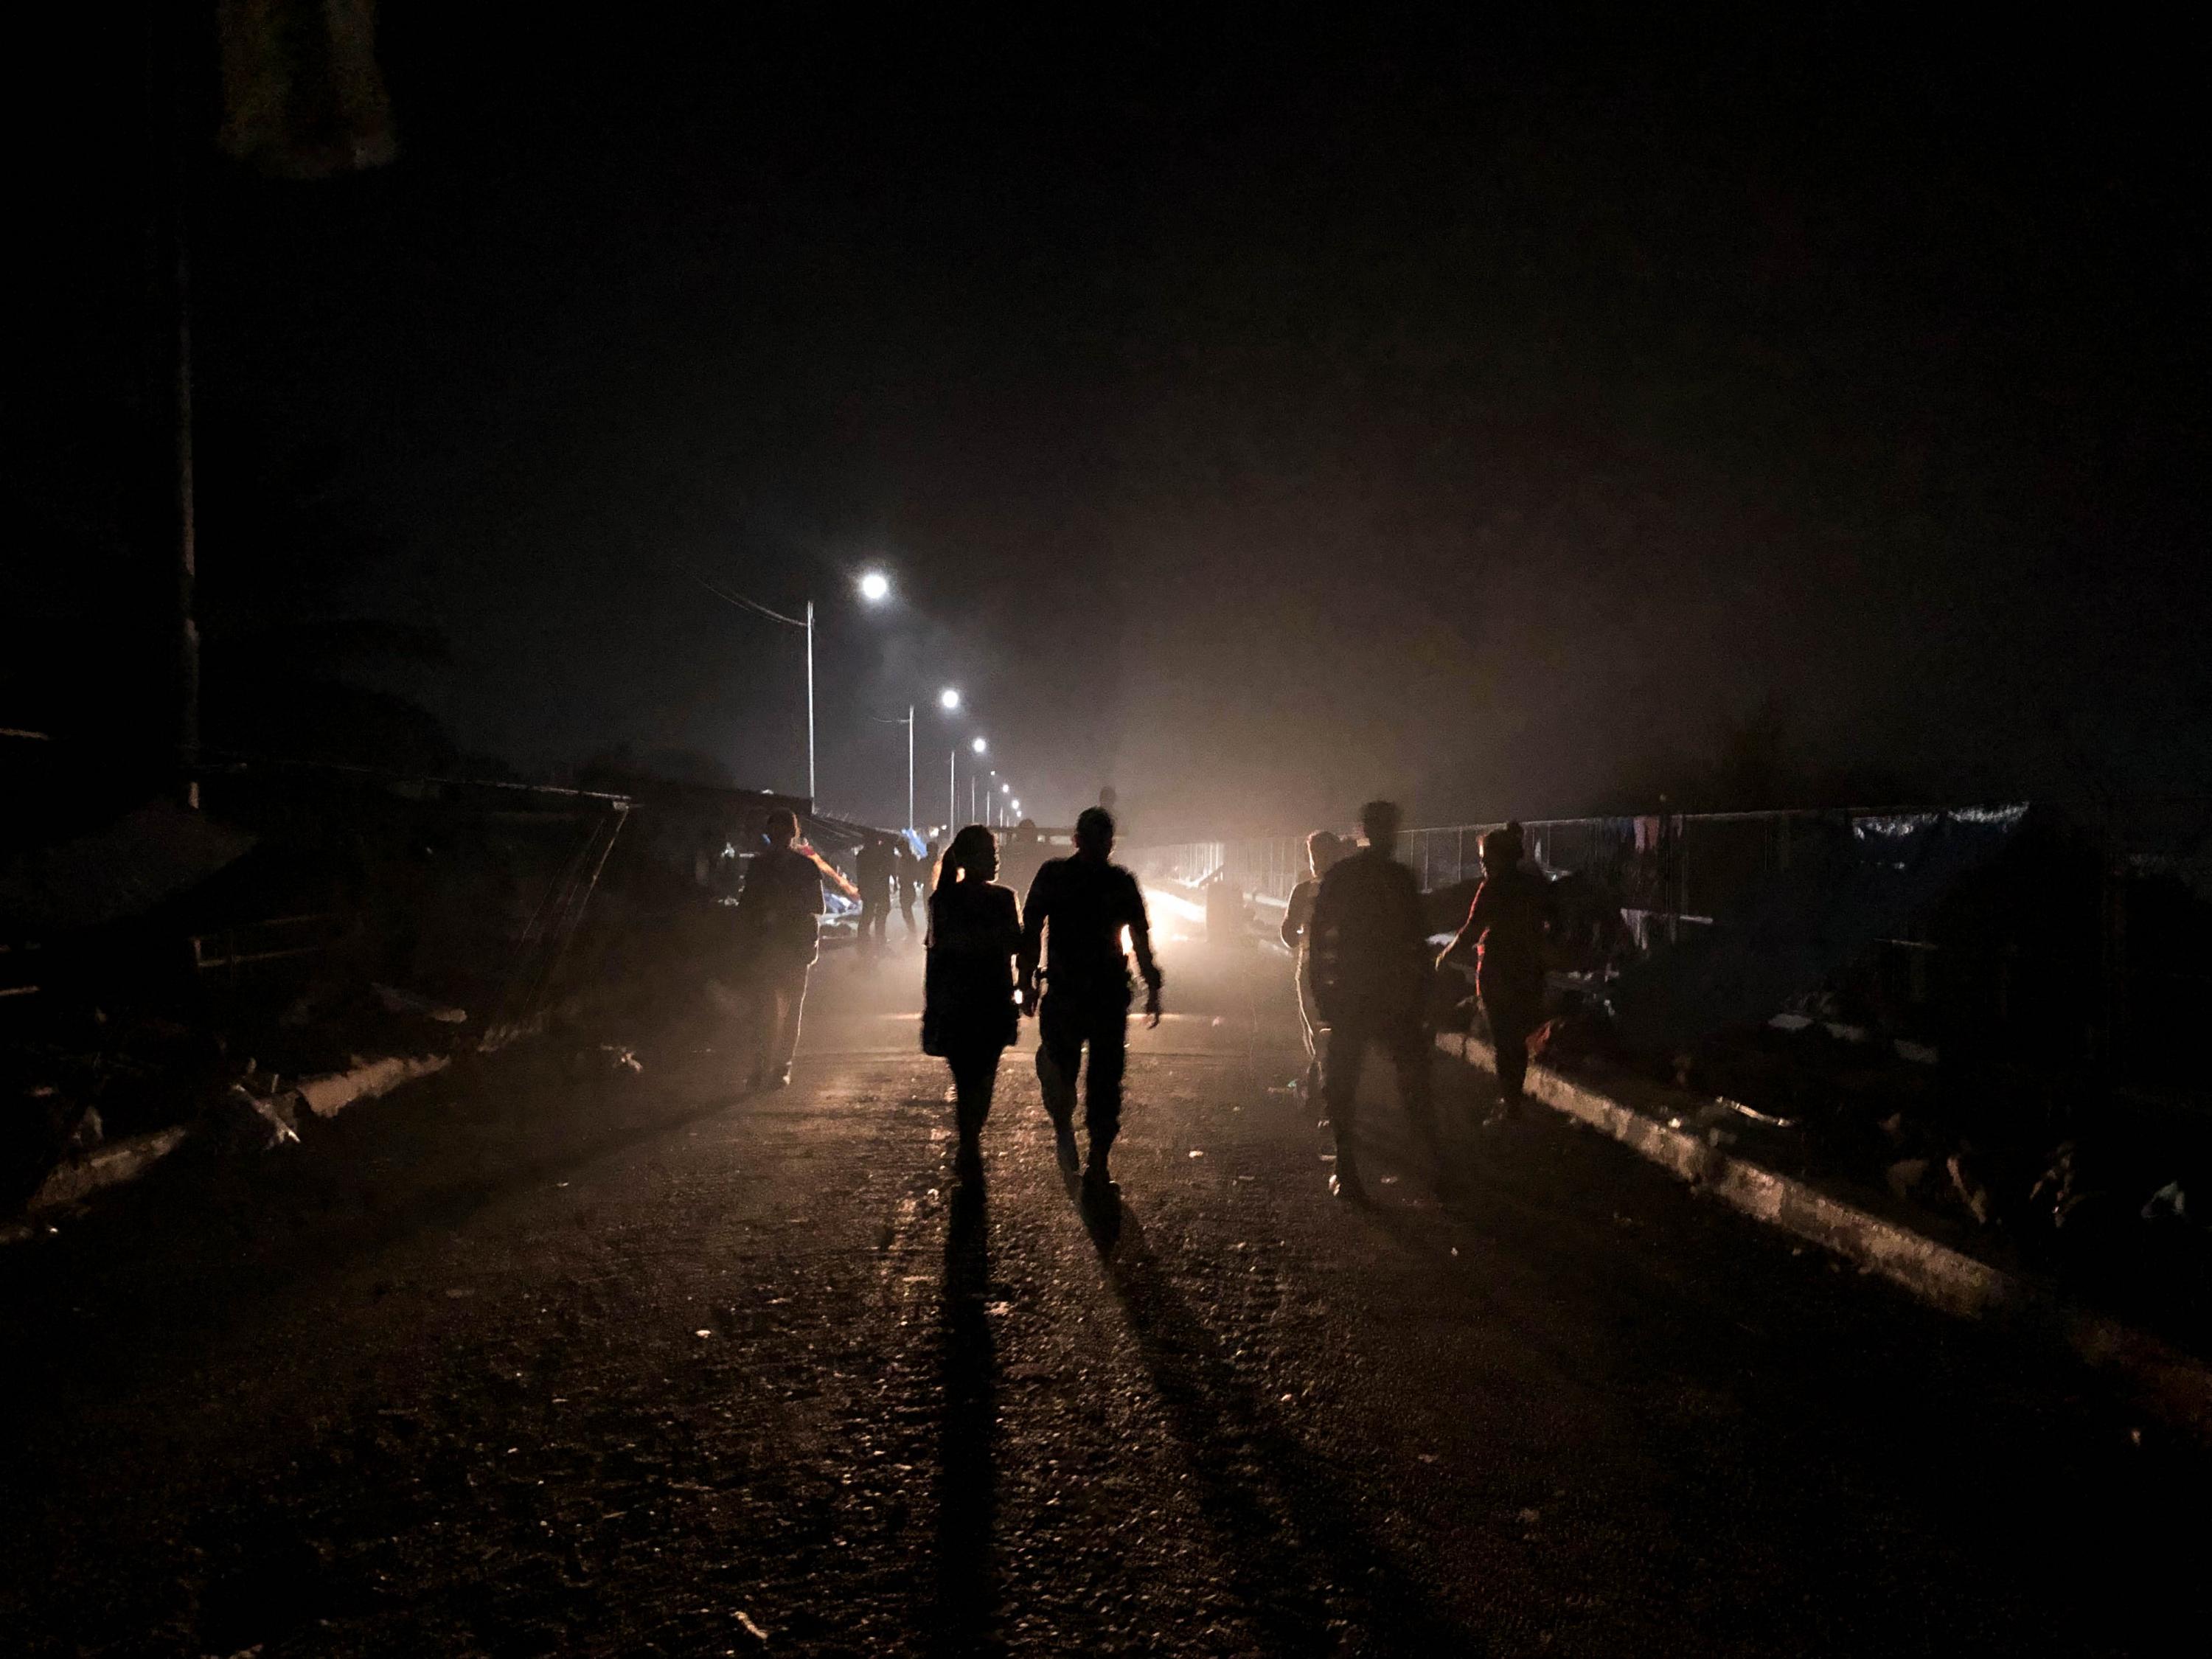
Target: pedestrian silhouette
(1504, 929)
(969, 1016)
(875, 869)
(779, 924)
(1370, 972)
(1077, 910)
(1323, 848)
(907, 875)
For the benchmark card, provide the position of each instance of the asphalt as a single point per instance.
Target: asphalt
(586, 1352)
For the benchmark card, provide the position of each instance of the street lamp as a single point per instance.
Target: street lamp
(874, 587)
(948, 699)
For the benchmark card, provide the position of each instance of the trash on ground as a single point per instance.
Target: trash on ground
(397, 1001)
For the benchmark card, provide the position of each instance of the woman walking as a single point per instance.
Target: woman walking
(968, 1015)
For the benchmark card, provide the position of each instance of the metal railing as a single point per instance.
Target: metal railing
(2087, 959)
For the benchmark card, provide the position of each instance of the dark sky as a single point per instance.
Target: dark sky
(1256, 416)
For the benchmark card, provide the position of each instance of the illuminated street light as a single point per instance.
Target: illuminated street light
(875, 586)
(948, 699)
(979, 745)
(1005, 788)
(1017, 806)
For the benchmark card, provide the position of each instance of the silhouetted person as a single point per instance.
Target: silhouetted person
(1506, 928)
(1370, 972)
(875, 869)
(968, 1014)
(1078, 906)
(908, 874)
(1323, 848)
(1224, 910)
(779, 919)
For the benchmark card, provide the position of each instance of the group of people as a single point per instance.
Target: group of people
(1364, 971)
(1063, 956)
(888, 873)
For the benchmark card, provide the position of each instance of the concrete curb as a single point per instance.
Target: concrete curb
(332, 1092)
(78, 1178)
(2175, 1385)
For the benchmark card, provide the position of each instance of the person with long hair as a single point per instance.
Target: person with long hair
(969, 1014)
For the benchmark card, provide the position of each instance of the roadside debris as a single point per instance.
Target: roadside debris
(240, 1120)
(397, 1001)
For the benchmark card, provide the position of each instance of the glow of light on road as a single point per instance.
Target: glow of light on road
(875, 586)
(978, 746)
(948, 699)
(1173, 915)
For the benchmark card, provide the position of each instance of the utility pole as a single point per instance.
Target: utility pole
(166, 95)
(810, 704)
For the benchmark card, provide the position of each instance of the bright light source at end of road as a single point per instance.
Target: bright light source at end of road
(979, 745)
(875, 586)
(948, 698)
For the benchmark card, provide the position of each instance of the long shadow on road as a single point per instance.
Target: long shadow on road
(1306, 1569)
(967, 1465)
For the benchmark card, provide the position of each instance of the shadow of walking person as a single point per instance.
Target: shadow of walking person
(967, 1605)
(1307, 1572)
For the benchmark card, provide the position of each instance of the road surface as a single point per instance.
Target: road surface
(572, 1357)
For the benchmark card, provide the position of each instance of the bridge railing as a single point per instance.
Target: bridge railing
(2091, 952)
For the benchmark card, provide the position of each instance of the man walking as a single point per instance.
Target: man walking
(907, 873)
(1370, 969)
(1324, 849)
(1078, 908)
(1504, 929)
(779, 920)
(876, 869)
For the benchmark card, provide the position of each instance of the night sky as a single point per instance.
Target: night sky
(1257, 417)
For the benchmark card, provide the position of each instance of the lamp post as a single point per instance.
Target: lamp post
(873, 587)
(906, 720)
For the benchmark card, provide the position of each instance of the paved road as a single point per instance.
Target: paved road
(567, 1357)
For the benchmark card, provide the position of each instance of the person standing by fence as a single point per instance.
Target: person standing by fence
(1505, 928)
(1323, 848)
(969, 1014)
(1371, 974)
